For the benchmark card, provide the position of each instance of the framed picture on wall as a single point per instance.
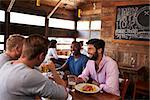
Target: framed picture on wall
(132, 22)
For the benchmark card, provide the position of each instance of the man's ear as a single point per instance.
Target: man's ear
(100, 50)
(41, 56)
(16, 48)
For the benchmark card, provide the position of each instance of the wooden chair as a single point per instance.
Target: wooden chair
(141, 87)
(124, 83)
(38, 98)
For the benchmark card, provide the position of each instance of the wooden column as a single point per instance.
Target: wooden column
(76, 20)
(46, 27)
(7, 30)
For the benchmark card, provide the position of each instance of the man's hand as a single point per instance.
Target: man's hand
(79, 80)
(51, 66)
(95, 82)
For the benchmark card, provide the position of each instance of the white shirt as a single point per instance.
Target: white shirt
(52, 53)
(84, 52)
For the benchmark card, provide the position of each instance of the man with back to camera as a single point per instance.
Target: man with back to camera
(13, 48)
(19, 81)
(102, 69)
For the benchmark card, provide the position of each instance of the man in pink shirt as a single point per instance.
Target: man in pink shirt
(102, 69)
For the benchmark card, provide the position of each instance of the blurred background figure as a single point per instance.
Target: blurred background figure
(13, 48)
(52, 54)
(83, 51)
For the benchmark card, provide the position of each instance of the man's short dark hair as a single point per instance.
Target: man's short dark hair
(98, 43)
(53, 44)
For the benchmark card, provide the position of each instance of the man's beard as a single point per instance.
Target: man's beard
(76, 52)
(95, 56)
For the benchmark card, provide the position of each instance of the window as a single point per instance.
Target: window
(2, 14)
(1, 46)
(83, 25)
(63, 43)
(1, 42)
(27, 19)
(61, 23)
(96, 25)
(1, 38)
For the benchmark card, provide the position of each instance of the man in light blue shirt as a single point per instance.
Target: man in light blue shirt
(13, 48)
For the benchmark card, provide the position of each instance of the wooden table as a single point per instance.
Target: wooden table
(76, 95)
(131, 72)
(97, 96)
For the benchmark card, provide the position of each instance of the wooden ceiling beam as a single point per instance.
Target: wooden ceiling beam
(10, 5)
(52, 12)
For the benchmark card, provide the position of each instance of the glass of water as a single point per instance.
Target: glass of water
(71, 82)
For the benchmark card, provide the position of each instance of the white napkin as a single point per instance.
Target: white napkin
(69, 97)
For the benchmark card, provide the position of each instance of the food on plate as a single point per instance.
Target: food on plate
(88, 88)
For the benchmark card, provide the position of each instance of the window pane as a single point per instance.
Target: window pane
(83, 25)
(63, 47)
(27, 19)
(63, 43)
(84, 40)
(61, 23)
(1, 38)
(2, 14)
(62, 40)
(95, 25)
(1, 46)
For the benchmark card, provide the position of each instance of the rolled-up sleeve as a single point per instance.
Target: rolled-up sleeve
(86, 72)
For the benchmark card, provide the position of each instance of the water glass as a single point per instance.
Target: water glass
(71, 82)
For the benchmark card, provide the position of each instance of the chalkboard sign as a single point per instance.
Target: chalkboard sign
(132, 22)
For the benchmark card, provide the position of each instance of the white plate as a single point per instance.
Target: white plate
(79, 87)
(61, 74)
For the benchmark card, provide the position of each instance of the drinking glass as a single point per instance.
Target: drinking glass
(71, 82)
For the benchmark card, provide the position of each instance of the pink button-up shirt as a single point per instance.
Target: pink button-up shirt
(107, 74)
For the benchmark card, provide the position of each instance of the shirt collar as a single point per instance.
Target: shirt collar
(102, 63)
